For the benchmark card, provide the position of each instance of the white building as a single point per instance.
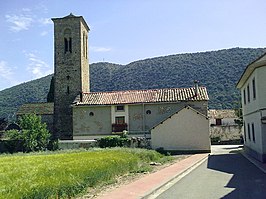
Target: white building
(253, 91)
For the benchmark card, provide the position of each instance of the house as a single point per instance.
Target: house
(224, 126)
(176, 133)
(45, 110)
(224, 117)
(252, 85)
(81, 114)
(137, 111)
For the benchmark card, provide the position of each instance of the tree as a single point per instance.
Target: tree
(34, 135)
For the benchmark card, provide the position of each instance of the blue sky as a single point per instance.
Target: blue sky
(123, 31)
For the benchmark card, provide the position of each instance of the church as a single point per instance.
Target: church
(173, 118)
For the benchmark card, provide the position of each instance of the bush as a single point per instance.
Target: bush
(34, 135)
(113, 141)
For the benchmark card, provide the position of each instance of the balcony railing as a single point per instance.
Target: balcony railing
(119, 127)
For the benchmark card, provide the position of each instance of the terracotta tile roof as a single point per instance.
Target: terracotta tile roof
(37, 108)
(143, 96)
(220, 114)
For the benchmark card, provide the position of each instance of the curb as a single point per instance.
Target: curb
(168, 184)
(255, 162)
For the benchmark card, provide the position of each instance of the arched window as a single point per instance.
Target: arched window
(67, 40)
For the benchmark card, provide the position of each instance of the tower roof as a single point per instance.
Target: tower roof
(70, 16)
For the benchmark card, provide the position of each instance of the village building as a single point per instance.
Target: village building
(80, 114)
(253, 91)
(225, 126)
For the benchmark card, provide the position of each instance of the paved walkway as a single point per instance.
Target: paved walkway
(155, 182)
(225, 174)
(152, 182)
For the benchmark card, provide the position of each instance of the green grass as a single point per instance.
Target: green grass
(66, 174)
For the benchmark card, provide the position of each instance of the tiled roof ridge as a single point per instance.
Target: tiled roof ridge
(155, 89)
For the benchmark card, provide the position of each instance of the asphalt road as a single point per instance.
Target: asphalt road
(225, 174)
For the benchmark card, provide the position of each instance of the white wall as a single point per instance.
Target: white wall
(253, 110)
(179, 132)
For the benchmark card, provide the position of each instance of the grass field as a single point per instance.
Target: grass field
(67, 173)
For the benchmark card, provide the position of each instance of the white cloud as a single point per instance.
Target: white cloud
(44, 33)
(45, 21)
(5, 70)
(19, 22)
(7, 78)
(37, 67)
(99, 49)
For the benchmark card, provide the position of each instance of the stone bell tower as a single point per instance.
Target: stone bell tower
(71, 69)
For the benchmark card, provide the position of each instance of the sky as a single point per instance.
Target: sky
(123, 31)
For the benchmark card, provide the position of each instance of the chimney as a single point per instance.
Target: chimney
(196, 89)
(80, 96)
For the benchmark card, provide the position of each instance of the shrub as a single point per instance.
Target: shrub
(113, 141)
(34, 135)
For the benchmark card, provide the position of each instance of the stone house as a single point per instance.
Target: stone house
(80, 114)
(45, 110)
(252, 85)
(223, 126)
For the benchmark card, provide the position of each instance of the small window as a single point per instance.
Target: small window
(120, 108)
(120, 120)
(68, 77)
(68, 90)
(254, 88)
(218, 122)
(148, 112)
(253, 132)
(66, 45)
(249, 132)
(248, 93)
(244, 96)
(245, 134)
(91, 114)
(70, 45)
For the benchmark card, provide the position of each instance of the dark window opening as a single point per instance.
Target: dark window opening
(248, 131)
(120, 108)
(244, 96)
(120, 120)
(68, 90)
(254, 88)
(68, 77)
(148, 112)
(91, 114)
(248, 93)
(66, 45)
(253, 132)
(70, 45)
(245, 134)
(218, 122)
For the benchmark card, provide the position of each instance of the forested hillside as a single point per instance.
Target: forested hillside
(219, 71)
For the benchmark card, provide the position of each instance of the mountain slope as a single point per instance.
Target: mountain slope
(218, 70)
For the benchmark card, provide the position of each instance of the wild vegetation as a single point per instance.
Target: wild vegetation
(218, 70)
(33, 136)
(67, 173)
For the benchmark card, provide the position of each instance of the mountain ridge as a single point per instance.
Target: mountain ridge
(217, 70)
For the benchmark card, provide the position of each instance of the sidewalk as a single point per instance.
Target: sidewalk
(152, 182)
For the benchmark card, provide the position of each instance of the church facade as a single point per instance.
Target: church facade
(81, 114)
